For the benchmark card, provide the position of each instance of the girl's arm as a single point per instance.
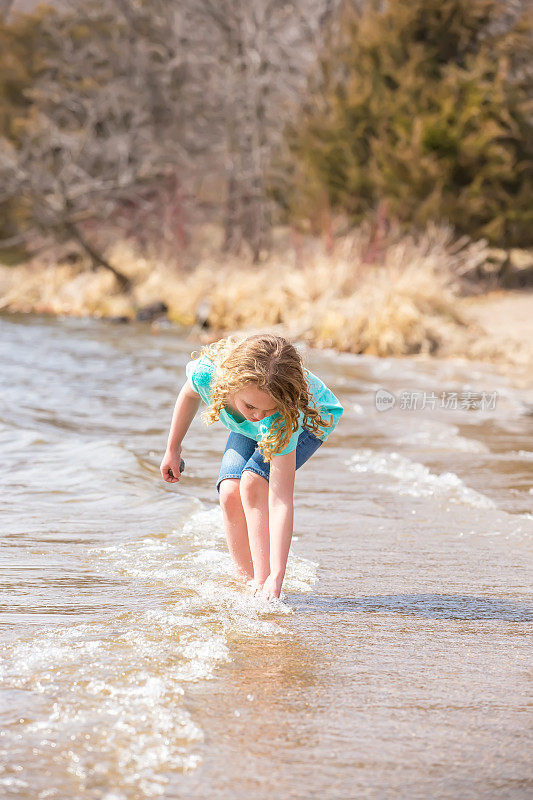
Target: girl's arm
(280, 519)
(184, 411)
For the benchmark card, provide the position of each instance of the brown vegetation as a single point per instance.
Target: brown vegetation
(405, 302)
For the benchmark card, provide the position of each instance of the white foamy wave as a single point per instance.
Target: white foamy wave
(182, 607)
(190, 556)
(193, 563)
(416, 480)
(14, 440)
(204, 527)
(133, 736)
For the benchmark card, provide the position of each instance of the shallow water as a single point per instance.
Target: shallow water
(135, 666)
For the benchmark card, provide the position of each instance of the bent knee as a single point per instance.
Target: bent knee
(229, 493)
(253, 488)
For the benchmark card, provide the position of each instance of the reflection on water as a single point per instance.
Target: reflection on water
(135, 666)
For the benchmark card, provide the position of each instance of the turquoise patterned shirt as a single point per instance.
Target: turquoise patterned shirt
(201, 373)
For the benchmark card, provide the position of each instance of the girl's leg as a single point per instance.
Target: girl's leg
(254, 496)
(236, 454)
(236, 527)
(243, 487)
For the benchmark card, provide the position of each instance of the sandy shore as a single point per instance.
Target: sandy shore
(506, 319)
(506, 314)
(405, 306)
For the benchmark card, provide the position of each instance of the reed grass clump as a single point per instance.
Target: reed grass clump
(401, 303)
(392, 298)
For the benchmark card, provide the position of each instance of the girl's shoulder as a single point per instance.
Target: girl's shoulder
(316, 384)
(201, 371)
(321, 393)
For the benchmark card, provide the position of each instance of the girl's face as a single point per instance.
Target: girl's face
(254, 404)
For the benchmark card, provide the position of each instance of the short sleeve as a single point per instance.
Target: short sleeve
(201, 372)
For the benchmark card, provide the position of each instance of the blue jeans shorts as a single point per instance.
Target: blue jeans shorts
(242, 453)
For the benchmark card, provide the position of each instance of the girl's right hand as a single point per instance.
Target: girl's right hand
(171, 461)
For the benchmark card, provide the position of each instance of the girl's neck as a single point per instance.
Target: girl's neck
(237, 416)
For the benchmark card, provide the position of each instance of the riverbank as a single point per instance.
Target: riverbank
(402, 297)
(507, 317)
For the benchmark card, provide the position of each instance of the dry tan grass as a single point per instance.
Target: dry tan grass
(402, 303)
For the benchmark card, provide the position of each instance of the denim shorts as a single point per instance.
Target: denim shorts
(242, 453)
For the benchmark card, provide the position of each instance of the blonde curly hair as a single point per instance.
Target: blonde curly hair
(274, 365)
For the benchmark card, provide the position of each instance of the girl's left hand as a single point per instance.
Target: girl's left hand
(272, 587)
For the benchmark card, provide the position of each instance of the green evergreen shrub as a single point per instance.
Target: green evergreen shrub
(426, 104)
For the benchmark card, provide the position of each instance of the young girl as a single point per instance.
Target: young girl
(278, 414)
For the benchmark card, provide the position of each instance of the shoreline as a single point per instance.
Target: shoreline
(517, 370)
(410, 304)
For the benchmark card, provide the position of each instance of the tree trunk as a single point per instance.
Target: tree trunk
(98, 259)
